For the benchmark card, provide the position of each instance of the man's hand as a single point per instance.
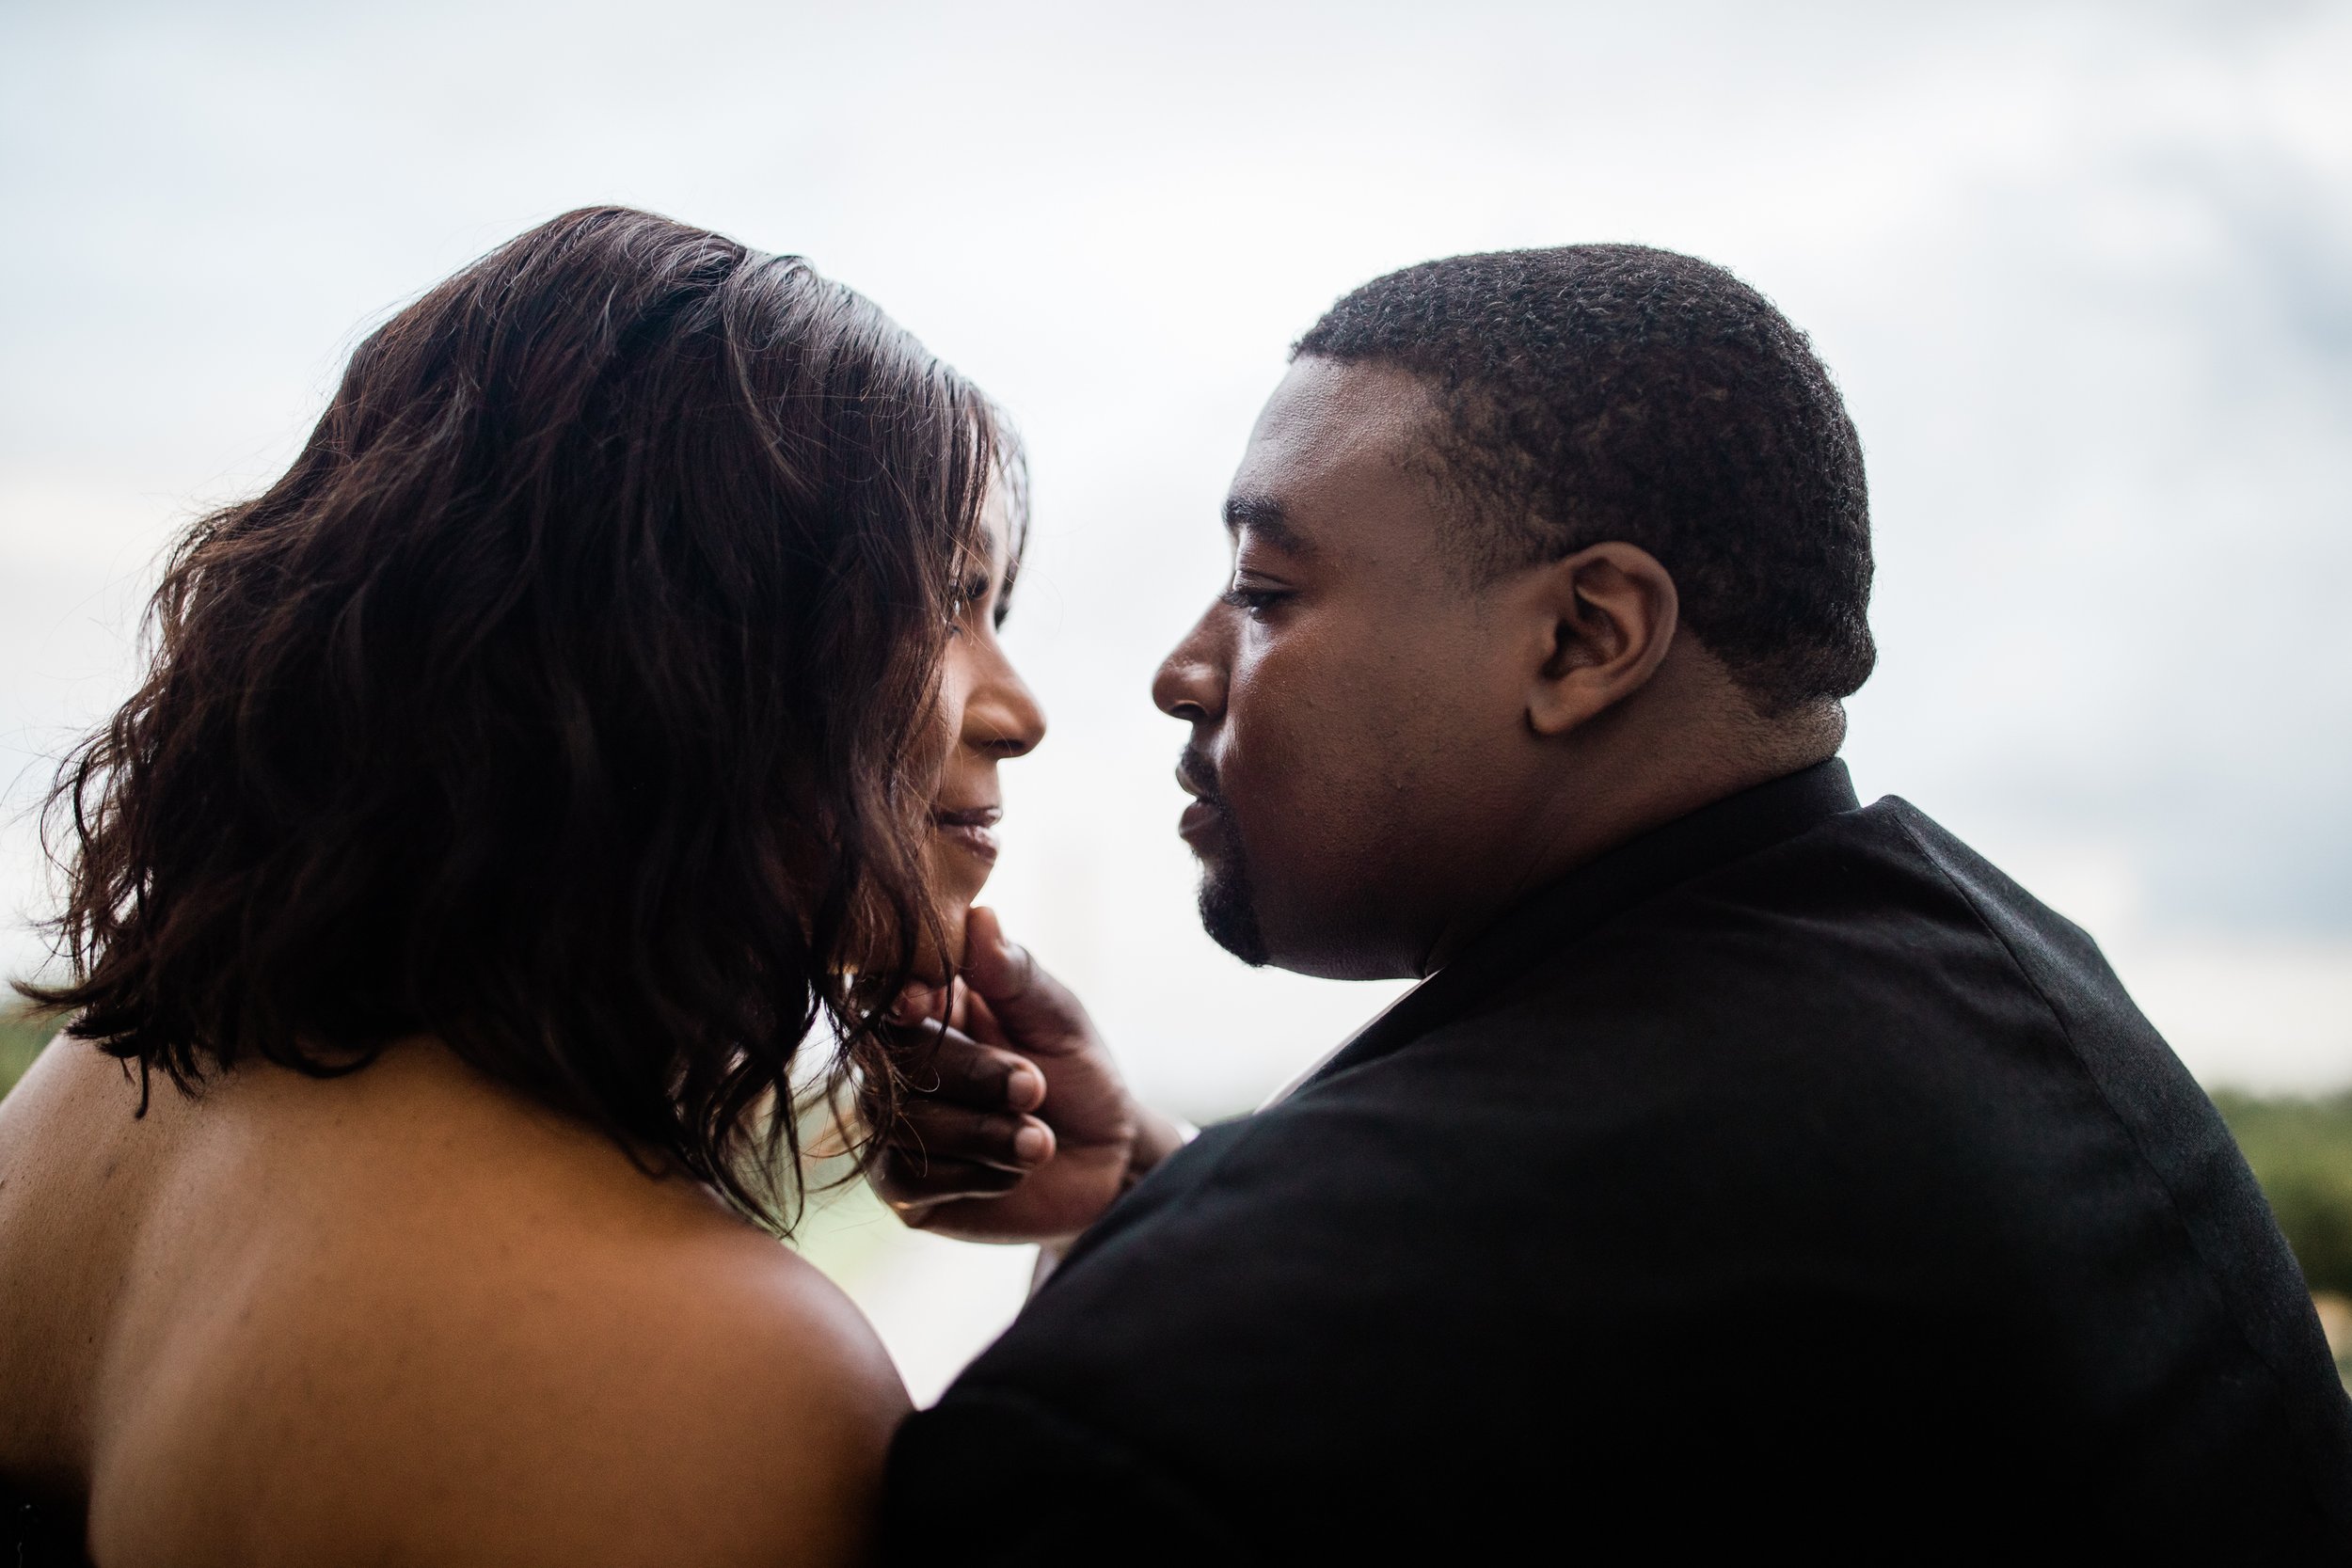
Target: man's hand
(1016, 1126)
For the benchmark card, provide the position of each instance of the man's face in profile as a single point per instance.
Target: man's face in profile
(1357, 745)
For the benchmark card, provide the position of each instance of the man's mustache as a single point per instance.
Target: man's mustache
(1198, 774)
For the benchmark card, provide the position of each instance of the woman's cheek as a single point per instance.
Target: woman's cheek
(957, 879)
(955, 875)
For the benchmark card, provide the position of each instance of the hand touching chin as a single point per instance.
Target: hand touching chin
(1017, 1126)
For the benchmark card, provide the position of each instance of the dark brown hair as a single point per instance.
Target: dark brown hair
(1614, 391)
(571, 698)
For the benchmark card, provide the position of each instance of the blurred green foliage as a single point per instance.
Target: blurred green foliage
(21, 1036)
(2301, 1151)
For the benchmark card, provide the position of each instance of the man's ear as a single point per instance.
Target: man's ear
(1611, 610)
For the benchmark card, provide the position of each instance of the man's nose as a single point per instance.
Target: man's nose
(1190, 683)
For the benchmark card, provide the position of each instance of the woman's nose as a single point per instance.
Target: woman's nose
(1001, 715)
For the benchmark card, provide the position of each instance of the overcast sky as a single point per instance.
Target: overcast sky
(2084, 273)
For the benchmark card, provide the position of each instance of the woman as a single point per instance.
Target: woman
(607, 699)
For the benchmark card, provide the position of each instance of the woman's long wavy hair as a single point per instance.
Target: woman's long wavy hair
(571, 698)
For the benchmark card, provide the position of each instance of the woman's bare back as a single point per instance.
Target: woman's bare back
(407, 1315)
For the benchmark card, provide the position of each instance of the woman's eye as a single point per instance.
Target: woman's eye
(960, 605)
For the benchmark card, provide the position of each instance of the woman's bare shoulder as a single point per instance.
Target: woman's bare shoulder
(549, 1357)
(717, 1401)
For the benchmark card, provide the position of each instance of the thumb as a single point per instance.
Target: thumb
(1035, 1009)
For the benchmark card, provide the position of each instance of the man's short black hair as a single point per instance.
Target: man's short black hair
(1614, 391)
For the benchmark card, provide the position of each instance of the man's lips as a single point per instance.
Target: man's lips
(1203, 818)
(1199, 822)
(971, 828)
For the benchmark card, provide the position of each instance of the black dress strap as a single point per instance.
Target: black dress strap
(39, 1533)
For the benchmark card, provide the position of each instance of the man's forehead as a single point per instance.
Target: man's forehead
(1328, 425)
(1325, 410)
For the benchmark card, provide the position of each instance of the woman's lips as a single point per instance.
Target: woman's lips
(971, 829)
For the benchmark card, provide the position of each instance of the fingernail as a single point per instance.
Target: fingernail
(1032, 1143)
(1025, 1089)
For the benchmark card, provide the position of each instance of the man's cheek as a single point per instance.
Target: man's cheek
(1297, 731)
(1299, 825)
(1262, 772)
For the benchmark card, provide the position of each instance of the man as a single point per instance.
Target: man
(1753, 1168)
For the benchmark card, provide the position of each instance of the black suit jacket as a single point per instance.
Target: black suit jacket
(1786, 1177)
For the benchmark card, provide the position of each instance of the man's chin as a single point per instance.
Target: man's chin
(1228, 912)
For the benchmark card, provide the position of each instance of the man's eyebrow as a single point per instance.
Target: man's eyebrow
(1264, 517)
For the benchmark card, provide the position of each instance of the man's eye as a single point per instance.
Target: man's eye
(1253, 602)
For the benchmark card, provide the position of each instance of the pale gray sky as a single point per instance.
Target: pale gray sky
(2085, 273)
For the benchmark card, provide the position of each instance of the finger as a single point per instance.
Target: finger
(919, 1002)
(933, 1129)
(949, 1003)
(981, 1020)
(907, 1183)
(946, 1064)
(1032, 1005)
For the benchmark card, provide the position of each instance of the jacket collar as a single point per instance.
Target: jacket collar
(1567, 910)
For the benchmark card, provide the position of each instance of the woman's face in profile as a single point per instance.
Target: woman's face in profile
(990, 716)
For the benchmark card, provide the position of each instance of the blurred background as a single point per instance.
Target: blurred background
(2084, 272)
